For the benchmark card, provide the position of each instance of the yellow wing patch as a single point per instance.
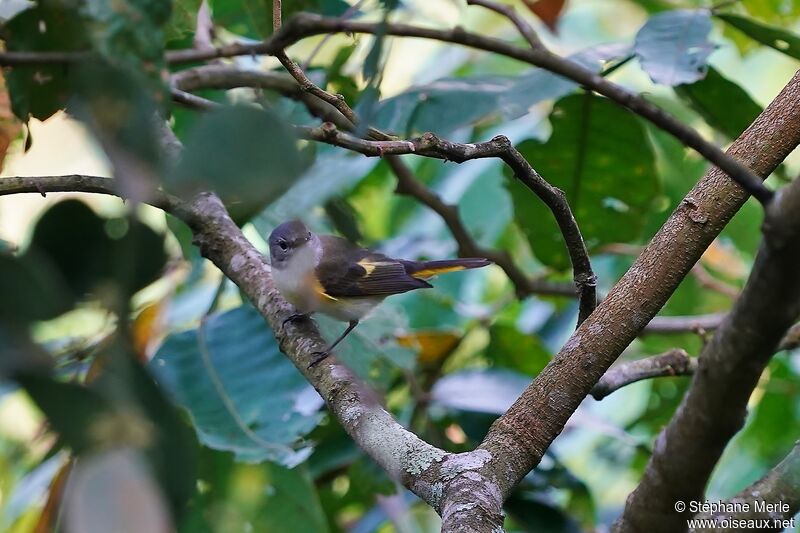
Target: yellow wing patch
(319, 290)
(428, 272)
(370, 266)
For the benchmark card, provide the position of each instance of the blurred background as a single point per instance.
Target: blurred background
(256, 449)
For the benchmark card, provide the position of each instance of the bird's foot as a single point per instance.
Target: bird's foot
(295, 317)
(318, 358)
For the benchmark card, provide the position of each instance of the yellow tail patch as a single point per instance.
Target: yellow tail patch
(428, 272)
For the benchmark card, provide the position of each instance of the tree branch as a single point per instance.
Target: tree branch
(306, 25)
(715, 406)
(519, 438)
(675, 362)
(437, 477)
(781, 486)
(408, 185)
(511, 14)
(430, 145)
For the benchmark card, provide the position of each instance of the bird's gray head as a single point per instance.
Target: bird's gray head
(287, 239)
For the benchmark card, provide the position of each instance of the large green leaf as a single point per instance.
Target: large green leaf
(253, 18)
(77, 242)
(333, 174)
(121, 408)
(599, 156)
(41, 90)
(441, 106)
(371, 350)
(243, 395)
(253, 497)
(510, 348)
(777, 38)
(247, 155)
(32, 288)
(723, 104)
(129, 34)
(538, 84)
(673, 47)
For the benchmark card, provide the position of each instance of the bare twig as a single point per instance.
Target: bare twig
(675, 362)
(408, 185)
(306, 25)
(191, 101)
(511, 14)
(683, 324)
(430, 145)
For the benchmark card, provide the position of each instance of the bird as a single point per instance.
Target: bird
(330, 275)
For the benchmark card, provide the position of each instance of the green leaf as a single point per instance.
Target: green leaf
(183, 21)
(253, 18)
(441, 106)
(41, 90)
(371, 350)
(722, 103)
(119, 107)
(537, 84)
(333, 173)
(243, 395)
(129, 34)
(777, 38)
(253, 497)
(673, 47)
(609, 186)
(510, 348)
(247, 155)
(32, 288)
(76, 240)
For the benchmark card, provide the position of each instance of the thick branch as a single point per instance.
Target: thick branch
(675, 362)
(715, 406)
(780, 487)
(521, 436)
(442, 480)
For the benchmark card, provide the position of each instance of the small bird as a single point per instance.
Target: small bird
(328, 274)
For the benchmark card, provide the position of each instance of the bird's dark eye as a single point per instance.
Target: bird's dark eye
(309, 235)
(282, 244)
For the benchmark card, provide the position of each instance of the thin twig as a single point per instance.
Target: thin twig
(511, 14)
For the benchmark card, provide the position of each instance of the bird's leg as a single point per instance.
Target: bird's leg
(294, 317)
(320, 356)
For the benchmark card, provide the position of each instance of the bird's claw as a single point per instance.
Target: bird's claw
(318, 358)
(293, 317)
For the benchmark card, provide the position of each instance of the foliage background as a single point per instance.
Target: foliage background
(446, 361)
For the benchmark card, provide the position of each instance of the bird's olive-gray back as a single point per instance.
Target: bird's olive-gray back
(286, 238)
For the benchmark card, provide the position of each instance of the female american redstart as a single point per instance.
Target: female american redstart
(327, 274)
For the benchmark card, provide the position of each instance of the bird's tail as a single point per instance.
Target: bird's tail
(427, 269)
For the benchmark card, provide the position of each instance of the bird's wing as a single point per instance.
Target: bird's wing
(346, 271)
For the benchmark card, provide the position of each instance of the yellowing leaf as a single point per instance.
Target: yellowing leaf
(725, 260)
(148, 330)
(9, 125)
(431, 345)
